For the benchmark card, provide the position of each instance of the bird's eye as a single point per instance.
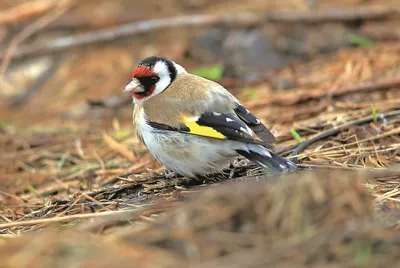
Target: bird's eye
(155, 79)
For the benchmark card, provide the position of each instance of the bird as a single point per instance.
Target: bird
(194, 126)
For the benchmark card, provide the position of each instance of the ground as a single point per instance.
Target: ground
(77, 188)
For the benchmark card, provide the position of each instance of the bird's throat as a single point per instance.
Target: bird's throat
(146, 93)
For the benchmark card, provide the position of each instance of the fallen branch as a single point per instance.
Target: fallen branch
(112, 102)
(39, 24)
(129, 29)
(296, 96)
(302, 146)
(121, 149)
(121, 214)
(353, 14)
(380, 174)
(95, 226)
(242, 19)
(314, 16)
(38, 83)
(25, 11)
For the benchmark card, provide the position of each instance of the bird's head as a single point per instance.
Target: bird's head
(152, 76)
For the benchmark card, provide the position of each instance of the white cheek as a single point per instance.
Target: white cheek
(161, 69)
(162, 84)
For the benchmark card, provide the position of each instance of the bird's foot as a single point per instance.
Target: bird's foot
(232, 170)
(169, 174)
(154, 172)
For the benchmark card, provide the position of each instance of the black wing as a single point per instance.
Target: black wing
(255, 124)
(214, 125)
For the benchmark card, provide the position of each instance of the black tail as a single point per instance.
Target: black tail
(269, 160)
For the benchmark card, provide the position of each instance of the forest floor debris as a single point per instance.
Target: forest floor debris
(77, 188)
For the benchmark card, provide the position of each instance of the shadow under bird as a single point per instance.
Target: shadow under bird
(194, 126)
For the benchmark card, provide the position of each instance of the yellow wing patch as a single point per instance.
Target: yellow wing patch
(201, 130)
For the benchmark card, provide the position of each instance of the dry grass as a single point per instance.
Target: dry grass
(311, 219)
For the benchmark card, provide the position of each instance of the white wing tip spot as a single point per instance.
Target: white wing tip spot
(229, 120)
(262, 164)
(268, 154)
(249, 130)
(243, 129)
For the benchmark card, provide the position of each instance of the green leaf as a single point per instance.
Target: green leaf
(46, 130)
(251, 93)
(64, 158)
(373, 111)
(6, 123)
(360, 40)
(33, 191)
(296, 136)
(363, 254)
(121, 134)
(211, 72)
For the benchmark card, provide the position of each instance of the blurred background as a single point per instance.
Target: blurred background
(302, 66)
(53, 65)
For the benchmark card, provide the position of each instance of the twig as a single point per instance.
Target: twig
(384, 104)
(129, 29)
(121, 149)
(61, 8)
(25, 11)
(112, 102)
(336, 130)
(99, 224)
(352, 14)
(97, 202)
(38, 83)
(122, 214)
(245, 18)
(313, 16)
(284, 150)
(370, 173)
(291, 98)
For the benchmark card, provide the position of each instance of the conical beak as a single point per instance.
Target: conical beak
(134, 86)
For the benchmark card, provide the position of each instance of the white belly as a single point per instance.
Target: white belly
(186, 154)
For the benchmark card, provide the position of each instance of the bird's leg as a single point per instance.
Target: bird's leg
(233, 169)
(169, 174)
(154, 172)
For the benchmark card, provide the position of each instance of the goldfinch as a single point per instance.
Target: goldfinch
(194, 126)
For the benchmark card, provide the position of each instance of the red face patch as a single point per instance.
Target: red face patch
(142, 71)
(141, 96)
